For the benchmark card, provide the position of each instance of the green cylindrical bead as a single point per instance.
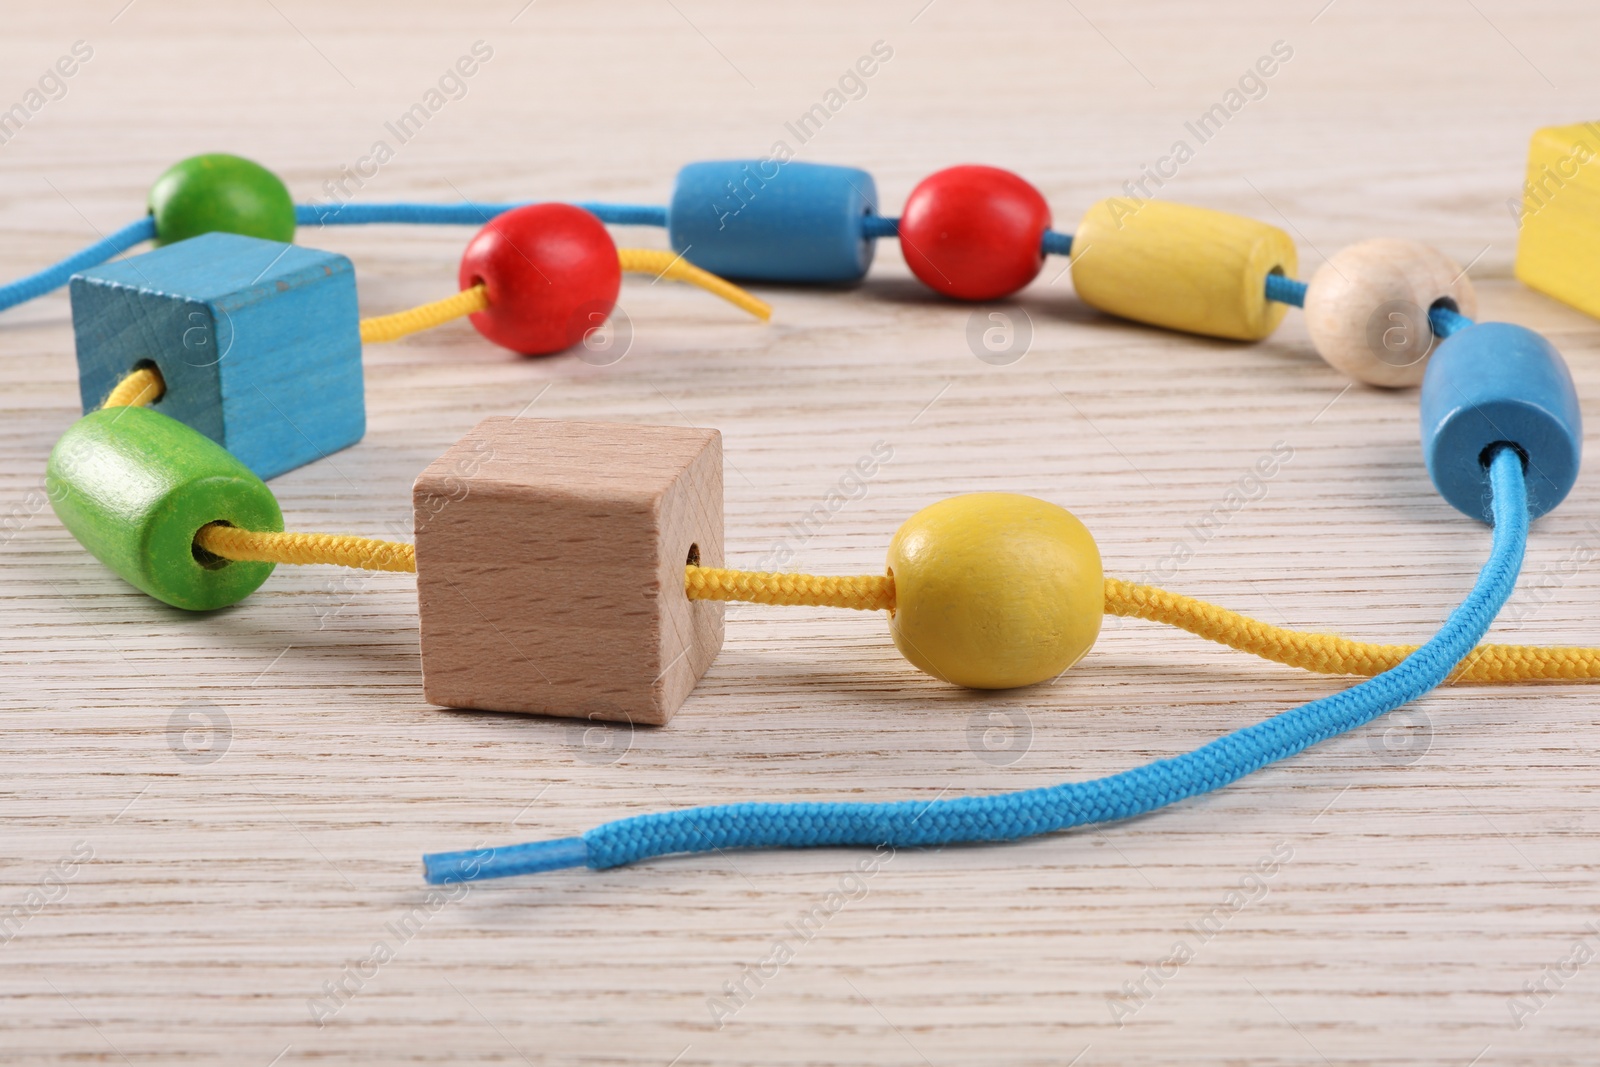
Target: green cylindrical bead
(219, 192)
(134, 487)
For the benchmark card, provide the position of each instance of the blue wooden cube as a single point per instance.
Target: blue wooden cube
(259, 343)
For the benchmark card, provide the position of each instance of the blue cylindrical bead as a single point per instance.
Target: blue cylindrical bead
(767, 220)
(1497, 383)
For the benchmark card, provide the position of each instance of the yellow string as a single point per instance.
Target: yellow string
(867, 592)
(426, 317)
(675, 267)
(1321, 653)
(1332, 654)
(639, 260)
(230, 542)
(142, 386)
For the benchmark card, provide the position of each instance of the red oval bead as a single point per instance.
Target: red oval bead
(551, 274)
(974, 232)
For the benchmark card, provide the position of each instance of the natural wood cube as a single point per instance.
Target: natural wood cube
(550, 560)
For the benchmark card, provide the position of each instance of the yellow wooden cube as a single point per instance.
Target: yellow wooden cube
(1558, 249)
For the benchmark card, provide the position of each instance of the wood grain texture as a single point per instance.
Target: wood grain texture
(550, 558)
(209, 822)
(1367, 308)
(258, 343)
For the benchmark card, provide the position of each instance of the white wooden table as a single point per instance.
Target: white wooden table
(192, 895)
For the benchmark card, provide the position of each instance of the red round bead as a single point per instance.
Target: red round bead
(974, 232)
(551, 273)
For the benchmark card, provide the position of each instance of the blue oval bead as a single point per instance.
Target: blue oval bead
(1491, 383)
(772, 221)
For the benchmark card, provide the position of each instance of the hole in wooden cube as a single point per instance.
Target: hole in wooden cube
(258, 342)
(550, 562)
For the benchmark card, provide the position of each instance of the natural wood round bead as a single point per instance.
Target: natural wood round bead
(1367, 308)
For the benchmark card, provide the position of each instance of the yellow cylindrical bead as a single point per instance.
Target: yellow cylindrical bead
(995, 590)
(1367, 308)
(1185, 268)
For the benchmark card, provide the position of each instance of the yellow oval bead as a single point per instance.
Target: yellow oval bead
(995, 590)
(1185, 268)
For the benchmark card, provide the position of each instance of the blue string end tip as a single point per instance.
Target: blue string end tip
(446, 868)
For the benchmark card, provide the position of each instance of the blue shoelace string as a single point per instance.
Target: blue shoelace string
(51, 278)
(1282, 289)
(1009, 816)
(400, 212)
(467, 214)
(54, 277)
(965, 819)
(1444, 319)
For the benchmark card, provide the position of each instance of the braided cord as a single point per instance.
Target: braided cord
(1443, 318)
(35, 285)
(675, 267)
(365, 553)
(1446, 320)
(1008, 816)
(1332, 654)
(1286, 290)
(1320, 653)
(464, 214)
(468, 214)
(143, 385)
(425, 317)
(867, 592)
(468, 301)
(875, 226)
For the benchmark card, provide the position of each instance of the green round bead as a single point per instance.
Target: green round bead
(134, 487)
(205, 194)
